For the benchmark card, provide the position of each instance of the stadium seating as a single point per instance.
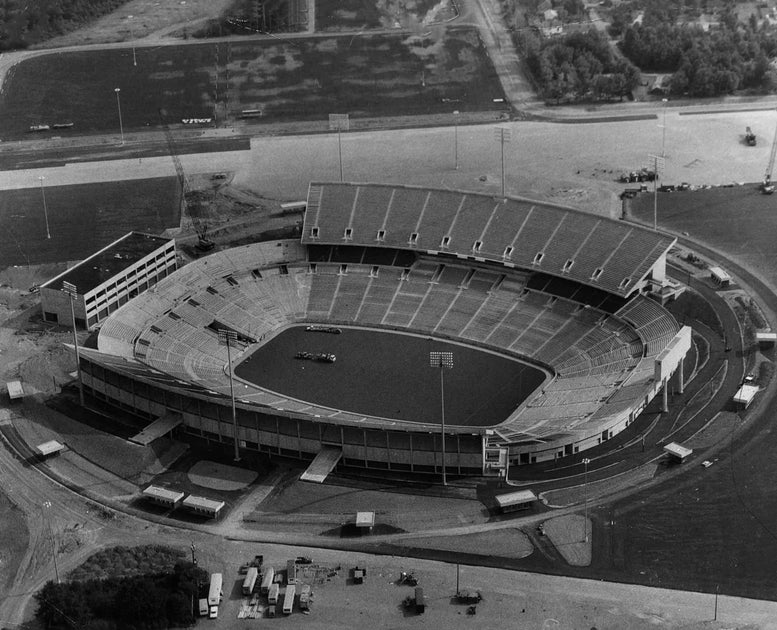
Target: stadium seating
(599, 361)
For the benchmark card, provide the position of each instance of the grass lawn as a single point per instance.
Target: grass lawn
(82, 218)
(301, 79)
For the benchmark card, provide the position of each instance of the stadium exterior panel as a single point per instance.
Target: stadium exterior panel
(561, 289)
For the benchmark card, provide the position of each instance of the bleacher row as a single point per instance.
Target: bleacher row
(587, 248)
(592, 352)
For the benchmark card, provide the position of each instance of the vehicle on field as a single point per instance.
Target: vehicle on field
(750, 137)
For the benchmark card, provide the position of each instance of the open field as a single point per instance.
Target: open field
(395, 371)
(299, 79)
(82, 218)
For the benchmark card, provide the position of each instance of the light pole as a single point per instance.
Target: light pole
(502, 135)
(71, 291)
(225, 337)
(456, 138)
(45, 209)
(586, 461)
(118, 104)
(442, 360)
(658, 169)
(339, 123)
(132, 38)
(663, 134)
(47, 505)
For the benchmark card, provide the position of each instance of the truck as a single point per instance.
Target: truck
(267, 579)
(292, 572)
(214, 592)
(203, 605)
(288, 599)
(250, 580)
(304, 597)
(272, 593)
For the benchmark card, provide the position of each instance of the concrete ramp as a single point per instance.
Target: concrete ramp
(155, 430)
(323, 464)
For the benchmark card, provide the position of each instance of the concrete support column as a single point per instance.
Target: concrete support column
(665, 397)
(681, 377)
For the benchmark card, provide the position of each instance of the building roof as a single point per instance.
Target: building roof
(678, 451)
(558, 240)
(720, 274)
(163, 494)
(745, 394)
(109, 261)
(365, 519)
(49, 448)
(15, 389)
(203, 504)
(515, 498)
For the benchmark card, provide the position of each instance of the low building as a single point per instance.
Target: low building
(108, 279)
(720, 278)
(365, 521)
(766, 338)
(676, 452)
(518, 500)
(163, 496)
(15, 390)
(49, 449)
(744, 395)
(203, 506)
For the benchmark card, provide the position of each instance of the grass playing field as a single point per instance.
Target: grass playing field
(388, 375)
(82, 218)
(301, 79)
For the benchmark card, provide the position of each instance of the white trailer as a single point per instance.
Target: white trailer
(250, 580)
(214, 592)
(267, 580)
(288, 599)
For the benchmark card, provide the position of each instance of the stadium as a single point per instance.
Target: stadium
(563, 306)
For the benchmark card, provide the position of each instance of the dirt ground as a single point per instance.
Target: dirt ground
(143, 19)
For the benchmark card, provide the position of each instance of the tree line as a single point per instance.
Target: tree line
(728, 56)
(705, 63)
(27, 22)
(140, 602)
(578, 66)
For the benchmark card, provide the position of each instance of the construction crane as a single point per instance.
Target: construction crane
(767, 187)
(204, 244)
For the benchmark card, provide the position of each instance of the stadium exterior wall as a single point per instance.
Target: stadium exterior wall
(285, 434)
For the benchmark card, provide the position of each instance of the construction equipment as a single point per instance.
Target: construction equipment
(204, 244)
(750, 137)
(767, 186)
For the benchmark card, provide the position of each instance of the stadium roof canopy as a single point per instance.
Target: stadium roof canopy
(109, 261)
(589, 249)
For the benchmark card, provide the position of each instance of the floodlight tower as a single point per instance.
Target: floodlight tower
(71, 291)
(226, 336)
(442, 360)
